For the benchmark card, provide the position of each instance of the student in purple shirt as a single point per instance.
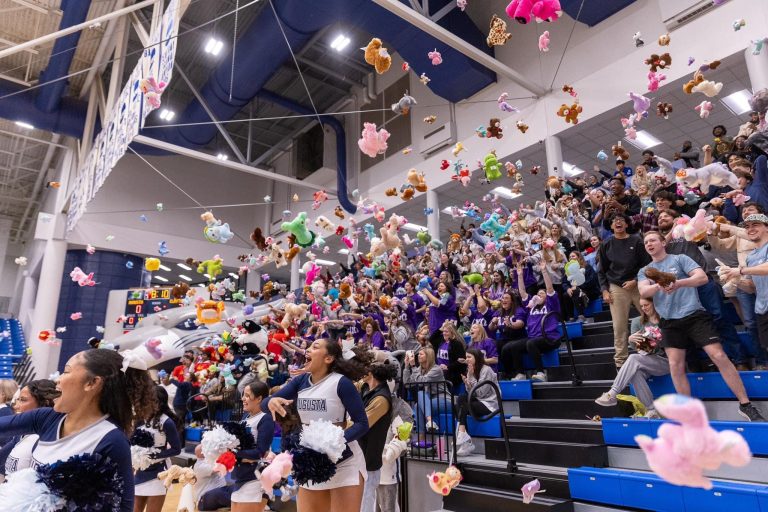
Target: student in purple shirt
(372, 334)
(479, 340)
(475, 308)
(415, 315)
(541, 338)
(498, 286)
(442, 306)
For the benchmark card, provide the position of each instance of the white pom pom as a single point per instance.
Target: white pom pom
(141, 457)
(217, 441)
(324, 437)
(22, 493)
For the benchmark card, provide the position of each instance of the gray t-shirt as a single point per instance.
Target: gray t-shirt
(683, 301)
(758, 257)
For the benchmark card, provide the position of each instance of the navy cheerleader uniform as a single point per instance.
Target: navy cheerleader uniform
(247, 488)
(168, 444)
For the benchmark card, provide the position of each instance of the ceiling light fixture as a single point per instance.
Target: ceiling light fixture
(644, 140)
(167, 115)
(234, 275)
(340, 42)
(163, 267)
(161, 278)
(22, 124)
(222, 156)
(571, 170)
(186, 278)
(506, 192)
(738, 102)
(214, 46)
(414, 227)
(185, 267)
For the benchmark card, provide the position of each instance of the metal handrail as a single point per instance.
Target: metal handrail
(511, 462)
(575, 379)
(445, 403)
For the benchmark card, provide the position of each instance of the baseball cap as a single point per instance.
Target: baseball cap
(755, 217)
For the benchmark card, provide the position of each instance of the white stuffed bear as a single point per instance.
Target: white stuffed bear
(712, 174)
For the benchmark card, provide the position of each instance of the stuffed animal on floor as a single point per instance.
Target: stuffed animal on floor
(443, 483)
(570, 113)
(663, 279)
(377, 56)
(713, 174)
(498, 35)
(373, 142)
(683, 451)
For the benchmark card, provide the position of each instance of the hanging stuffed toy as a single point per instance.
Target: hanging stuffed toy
(298, 228)
(152, 90)
(494, 129)
(544, 41)
(498, 35)
(504, 106)
(81, 278)
(214, 231)
(685, 449)
(373, 143)
(435, 57)
(570, 113)
(377, 56)
(404, 105)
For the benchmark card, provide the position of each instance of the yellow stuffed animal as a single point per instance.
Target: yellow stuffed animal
(378, 56)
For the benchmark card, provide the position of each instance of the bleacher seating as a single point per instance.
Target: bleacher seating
(711, 385)
(12, 347)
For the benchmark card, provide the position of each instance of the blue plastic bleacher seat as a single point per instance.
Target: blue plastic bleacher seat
(641, 490)
(594, 307)
(490, 428)
(516, 389)
(549, 359)
(723, 496)
(712, 386)
(590, 484)
(194, 433)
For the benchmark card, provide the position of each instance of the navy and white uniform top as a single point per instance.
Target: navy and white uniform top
(20, 456)
(167, 443)
(262, 428)
(331, 399)
(102, 437)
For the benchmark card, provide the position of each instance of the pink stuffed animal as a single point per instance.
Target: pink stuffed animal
(153, 347)
(76, 316)
(739, 199)
(641, 104)
(81, 278)
(520, 10)
(311, 271)
(152, 90)
(348, 242)
(279, 468)
(435, 57)
(703, 108)
(320, 196)
(530, 490)
(681, 453)
(372, 142)
(461, 4)
(654, 80)
(698, 226)
(546, 10)
(544, 41)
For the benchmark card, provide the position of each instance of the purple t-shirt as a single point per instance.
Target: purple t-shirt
(529, 277)
(376, 340)
(488, 349)
(536, 315)
(442, 354)
(476, 317)
(446, 310)
(356, 331)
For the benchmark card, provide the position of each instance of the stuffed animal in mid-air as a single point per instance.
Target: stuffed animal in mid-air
(713, 174)
(657, 62)
(498, 35)
(570, 113)
(378, 56)
(373, 142)
(152, 90)
(544, 41)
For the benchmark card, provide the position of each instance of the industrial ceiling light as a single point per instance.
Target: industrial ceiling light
(161, 278)
(325, 262)
(186, 278)
(506, 192)
(163, 267)
(22, 124)
(644, 140)
(167, 115)
(571, 170)
(738, 102)
(340, 42)
(185, 267)
(414, 227)
(222, 156)
(232, 274)
(214, 46)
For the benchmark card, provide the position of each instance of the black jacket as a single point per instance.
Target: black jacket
(372, 443)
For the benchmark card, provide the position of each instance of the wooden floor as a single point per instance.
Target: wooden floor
(172, 499)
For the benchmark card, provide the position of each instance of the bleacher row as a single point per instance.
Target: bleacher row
(12, 347)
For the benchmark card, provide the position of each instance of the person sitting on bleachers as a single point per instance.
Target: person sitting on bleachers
(648, 361)
(426, 371)
(541, 337)
(482, 403)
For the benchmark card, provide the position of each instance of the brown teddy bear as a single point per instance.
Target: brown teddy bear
(345, 291)
(619, 152)
(663, 109)
(570, 114)
(416, 179)
(339, 212)
(494, 128)
(498, 35)
(657, 62)
(378, 56)
(258, 238)
(179, 290)
(688, 86)
(664, 40)
(522, 126)
(664, 279)
(390, 192)
(407, 194)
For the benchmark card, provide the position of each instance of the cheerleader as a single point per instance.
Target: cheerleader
(100, 398)
(326, 392)
(149, 490)
(17, 453)
(248, 494)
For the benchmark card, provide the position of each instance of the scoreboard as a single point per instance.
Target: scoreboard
(142, 302)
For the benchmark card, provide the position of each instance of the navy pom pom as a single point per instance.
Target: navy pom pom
(310, 465)
(143, 438)
(89, 483)
(241, 431)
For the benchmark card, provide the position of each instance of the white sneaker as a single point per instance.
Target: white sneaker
(651, 414)
(606, 400)
(431, 426)
(463, 437)
(466, 448)
(520, 376)
(539, 376)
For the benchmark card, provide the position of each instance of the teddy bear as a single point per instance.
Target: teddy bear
(407, 193)
(390, 192)
(657, 62)
(443, 483)
(179, 290)
(277, 255)
(183, 475)
(416, 179)
(454, 242)
(713, 174)
(663, 279)
(619, 151)
(378, 56)
(685, 449)
(373, 142)
(294, 314)
(498, 35)
(570, 114)
(664, 40)
(521, 126)
(688, 86)
(494, 128)
(258, 238)
(663, 109)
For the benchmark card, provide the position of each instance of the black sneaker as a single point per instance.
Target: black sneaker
(750, 412)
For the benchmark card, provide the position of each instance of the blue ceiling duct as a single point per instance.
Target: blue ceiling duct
(68, 119)
(52, 87)
(593, 12)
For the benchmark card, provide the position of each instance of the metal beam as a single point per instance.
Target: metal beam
(106, 47)
(430, 27)
(11, 43)
(38, 8)
(38, 184)
(204, 104)
(210, 159)
(74, 28)
(34, 139)
(329, 72)
(442, 13)
(118, 67)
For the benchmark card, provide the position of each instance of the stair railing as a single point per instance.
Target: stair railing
(511, 462)
(575, 379)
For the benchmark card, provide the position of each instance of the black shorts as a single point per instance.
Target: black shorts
(762, 329)
(693, 331)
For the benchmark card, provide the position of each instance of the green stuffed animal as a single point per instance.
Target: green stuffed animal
(298, 228)
(239, 296)
(492, 167)
(213, 267)
(404, 431)
(473, 279)
(424, 237)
